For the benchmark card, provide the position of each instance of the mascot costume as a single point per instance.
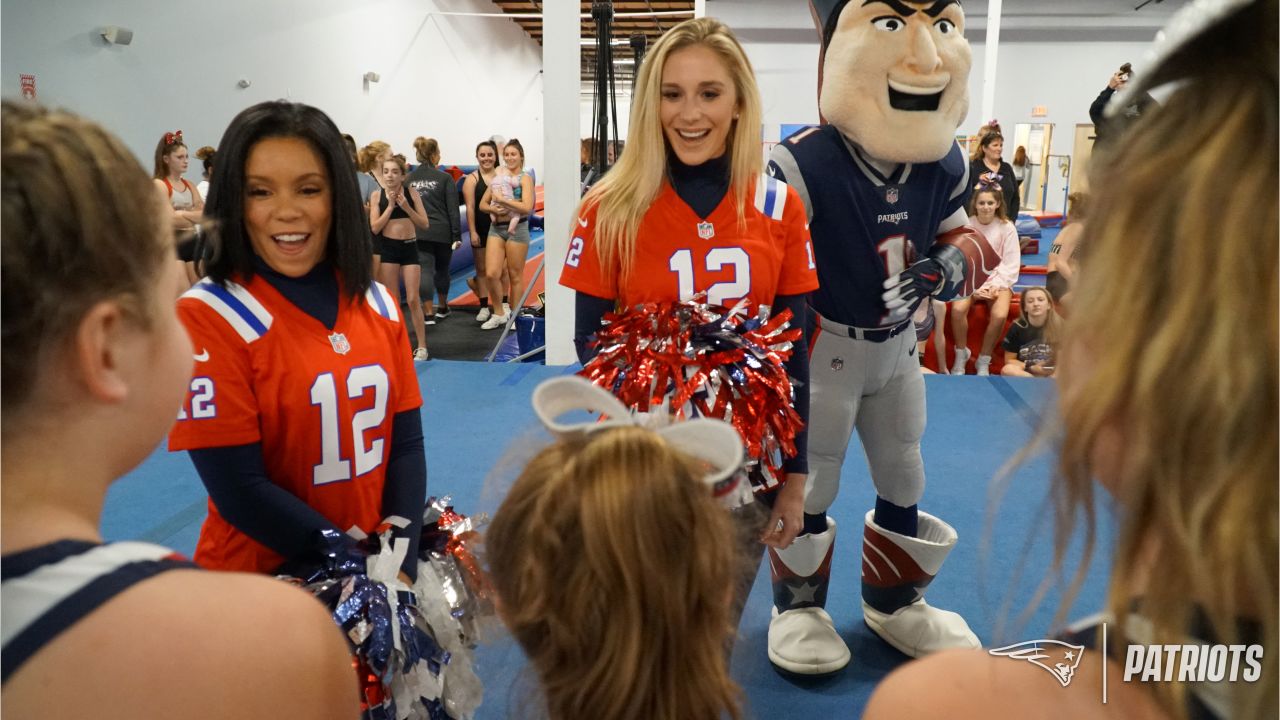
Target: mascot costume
(885, 186)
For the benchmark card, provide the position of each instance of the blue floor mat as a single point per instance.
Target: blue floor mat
(479, 429)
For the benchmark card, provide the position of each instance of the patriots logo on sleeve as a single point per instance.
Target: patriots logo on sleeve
(1058, 657)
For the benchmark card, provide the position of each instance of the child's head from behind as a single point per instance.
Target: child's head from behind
(1078, 206)
(614, 566)
(86, 247)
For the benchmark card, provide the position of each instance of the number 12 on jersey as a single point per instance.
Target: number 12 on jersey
(681, 263)
(324, 393)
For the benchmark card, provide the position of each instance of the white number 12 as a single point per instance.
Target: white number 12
(681, 263)
(332, 468)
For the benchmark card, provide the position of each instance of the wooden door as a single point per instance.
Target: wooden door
(1082, 150)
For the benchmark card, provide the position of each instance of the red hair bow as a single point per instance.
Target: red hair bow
(173, 137)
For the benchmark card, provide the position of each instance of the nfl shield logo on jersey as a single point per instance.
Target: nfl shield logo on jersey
(706, 230)
(339, 343)
(891, 196)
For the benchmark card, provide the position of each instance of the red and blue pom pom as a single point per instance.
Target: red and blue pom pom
(691, 359)
(412, 647)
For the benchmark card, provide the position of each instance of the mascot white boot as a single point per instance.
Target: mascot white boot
(885, 188)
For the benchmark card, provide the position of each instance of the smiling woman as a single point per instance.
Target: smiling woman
(304, 412)
(687, 210)
(127, 629)
(287, 205)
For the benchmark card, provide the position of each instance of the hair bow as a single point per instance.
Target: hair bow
(990, 181)
(172, 138)
(994, 124)
(713, 441)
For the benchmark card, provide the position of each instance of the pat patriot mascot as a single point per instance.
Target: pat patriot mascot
(885, 186)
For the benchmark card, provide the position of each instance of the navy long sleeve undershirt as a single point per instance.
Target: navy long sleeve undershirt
(236, 477)
(702, 187)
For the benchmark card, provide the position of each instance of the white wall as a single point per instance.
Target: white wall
(458, 79)
(1063, 77)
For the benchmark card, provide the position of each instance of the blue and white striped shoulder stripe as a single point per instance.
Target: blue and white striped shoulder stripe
(236, 305)
(771, 196)
(382, 302)
(41, 602)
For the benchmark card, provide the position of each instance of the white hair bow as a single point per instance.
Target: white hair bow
(713, 441)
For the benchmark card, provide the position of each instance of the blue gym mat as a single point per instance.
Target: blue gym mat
(479, 428)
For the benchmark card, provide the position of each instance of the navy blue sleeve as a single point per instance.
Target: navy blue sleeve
(405, 491)
(798, 368)
(1098, 108)
(237, 482)
(588, 311)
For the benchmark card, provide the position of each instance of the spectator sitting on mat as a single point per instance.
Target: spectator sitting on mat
(1030, 342)
(987, 216)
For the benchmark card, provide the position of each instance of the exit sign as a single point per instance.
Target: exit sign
(1039, 111)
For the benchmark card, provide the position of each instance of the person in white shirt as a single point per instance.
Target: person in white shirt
(987, 215)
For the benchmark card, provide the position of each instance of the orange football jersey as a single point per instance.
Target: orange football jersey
(679, 254)
(321, 402)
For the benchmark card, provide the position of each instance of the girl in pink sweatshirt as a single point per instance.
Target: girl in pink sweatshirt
(987, 215)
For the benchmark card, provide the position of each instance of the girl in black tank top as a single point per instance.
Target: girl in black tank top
(396, 212)
(479, 222)
(482, 219)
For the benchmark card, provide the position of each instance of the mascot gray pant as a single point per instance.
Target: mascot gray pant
(869, 381)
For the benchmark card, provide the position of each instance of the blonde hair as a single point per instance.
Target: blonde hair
(369, 155)
(428, 150)
(1052, 322)
(626, 192)
(613, 567)
(1182, 359)
(1078, 206)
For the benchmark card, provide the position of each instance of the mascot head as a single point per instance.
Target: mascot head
(894, 74)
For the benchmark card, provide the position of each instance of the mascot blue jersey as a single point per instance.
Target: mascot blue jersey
(866, 226)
